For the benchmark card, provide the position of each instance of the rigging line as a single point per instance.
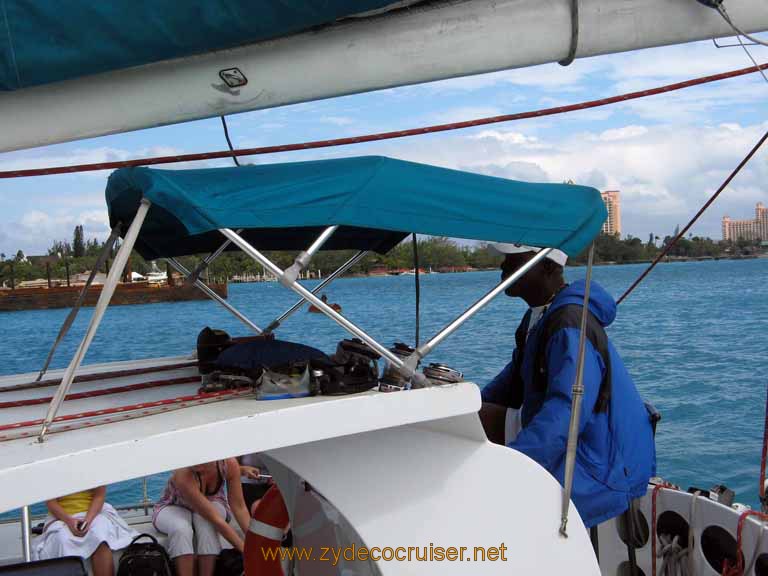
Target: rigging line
(727, 17)
(229, 142)
(417, 285)
(128, 408)
(98, 376)
(744, 47)
(102, 392)
(121, 415)
(693, 220)
(384, 135)
(763, 458)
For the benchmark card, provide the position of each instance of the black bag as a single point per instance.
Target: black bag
(144, 559)
(210, 343)
(229, 563)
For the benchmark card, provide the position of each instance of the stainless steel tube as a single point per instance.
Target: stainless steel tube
(203, 287)
(302, 260)
(101, 305)
(208, 259)
(322, 239)
(145, 496)
(427, 347)
(308, 296)
(26, 532)
(577, 393)
(339, 271)
(80, 299)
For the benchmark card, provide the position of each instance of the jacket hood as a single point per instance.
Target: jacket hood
(601, 303)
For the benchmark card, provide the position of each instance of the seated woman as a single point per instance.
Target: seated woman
(195, 510)
(83, 524)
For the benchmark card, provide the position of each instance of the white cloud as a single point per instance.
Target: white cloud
(624, 133)
(337, 120)
(36, 230)
(508, 137)
(664, 172)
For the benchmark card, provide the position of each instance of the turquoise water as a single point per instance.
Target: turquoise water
(693, 336)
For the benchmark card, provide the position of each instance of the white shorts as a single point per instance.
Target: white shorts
(188, 532)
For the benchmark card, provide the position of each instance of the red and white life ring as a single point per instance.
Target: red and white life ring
(261, 554)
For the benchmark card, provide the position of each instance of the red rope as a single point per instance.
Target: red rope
(653, 523)
(737, 569)
(121, 409)
(693, 220)
(383, 135)
(98, 376)
(102, 392)
(763, 458)
(180, 403)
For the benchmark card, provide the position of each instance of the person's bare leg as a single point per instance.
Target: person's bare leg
(101, 561)
(185, 565)
(206, 564)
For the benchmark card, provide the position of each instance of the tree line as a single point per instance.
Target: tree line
(437, 253)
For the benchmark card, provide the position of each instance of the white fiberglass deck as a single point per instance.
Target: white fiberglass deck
(146, 445)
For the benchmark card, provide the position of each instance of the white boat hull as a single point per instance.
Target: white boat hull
(406, 469)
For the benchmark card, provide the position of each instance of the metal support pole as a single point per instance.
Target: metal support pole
(195, 275)
(311, 298)
(145, 495)
(80, 298)
(66, 267)
(577, 393)
(48, 273)
(26, 531)
(106, 295)
(213, 296)
(427, 347)
(293, 272)
(275, 324)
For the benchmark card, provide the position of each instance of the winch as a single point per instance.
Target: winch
(441, 374)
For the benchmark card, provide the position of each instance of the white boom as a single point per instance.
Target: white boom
(408, 46)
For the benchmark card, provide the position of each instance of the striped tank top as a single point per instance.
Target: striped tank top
(173, 496)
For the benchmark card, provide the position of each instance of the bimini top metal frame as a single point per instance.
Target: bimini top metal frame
(360, 184)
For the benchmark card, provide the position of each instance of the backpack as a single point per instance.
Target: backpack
(144, 559)
(229, 563)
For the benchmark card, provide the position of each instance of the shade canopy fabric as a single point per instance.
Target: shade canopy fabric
(375, 200)
(44, 41)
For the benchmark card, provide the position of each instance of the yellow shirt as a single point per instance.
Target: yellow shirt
(77, 502)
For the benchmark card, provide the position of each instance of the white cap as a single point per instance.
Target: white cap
(557, 256)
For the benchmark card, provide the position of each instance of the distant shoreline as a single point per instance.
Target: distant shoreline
(674, 259)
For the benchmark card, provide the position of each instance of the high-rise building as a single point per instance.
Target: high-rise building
(613, 203)
(756, 229)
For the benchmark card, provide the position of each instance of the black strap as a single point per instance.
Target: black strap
(569, 316)
(140, 536)
(516, 387)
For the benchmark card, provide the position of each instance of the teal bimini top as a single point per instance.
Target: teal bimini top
(44, 41)
(375, 200)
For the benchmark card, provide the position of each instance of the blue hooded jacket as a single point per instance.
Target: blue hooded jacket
(616, 455)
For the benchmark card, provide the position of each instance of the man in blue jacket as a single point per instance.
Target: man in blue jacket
(616, 453)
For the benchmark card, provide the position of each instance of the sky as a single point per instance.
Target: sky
(666, 154)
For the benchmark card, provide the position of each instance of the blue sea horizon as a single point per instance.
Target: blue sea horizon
(691, 335)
